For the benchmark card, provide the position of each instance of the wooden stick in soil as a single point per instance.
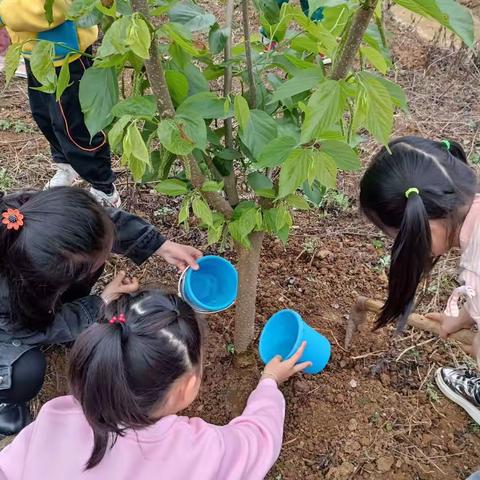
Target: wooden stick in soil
(364, 305)
(248, 265)
(156, 77)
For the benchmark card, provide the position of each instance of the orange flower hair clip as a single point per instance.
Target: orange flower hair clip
(12, 219)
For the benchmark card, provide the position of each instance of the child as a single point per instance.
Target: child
(62, 123)
(424, 195)
(130, 375)
(53, 247)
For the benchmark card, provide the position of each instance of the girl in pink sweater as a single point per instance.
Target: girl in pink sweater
(130, 375)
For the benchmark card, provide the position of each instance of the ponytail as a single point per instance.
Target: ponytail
(122, 369)
(410, 261)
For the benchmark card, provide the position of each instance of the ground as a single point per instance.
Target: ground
(375, 412)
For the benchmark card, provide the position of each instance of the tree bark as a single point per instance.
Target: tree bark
(248, 265)
(156, 77)
(355, 35)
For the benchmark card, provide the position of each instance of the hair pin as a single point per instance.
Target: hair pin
(12, 219)
(120, 319)
(447, 144)
(412, 190)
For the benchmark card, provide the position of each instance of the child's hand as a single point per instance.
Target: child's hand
(182, 256)
(449, 325)
(118, 286)
(281, 370)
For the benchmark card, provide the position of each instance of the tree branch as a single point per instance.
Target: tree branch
(230, 181)
(248, 55)
(156, 77)
(354, 39)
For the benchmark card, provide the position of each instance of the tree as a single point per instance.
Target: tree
(280, 123)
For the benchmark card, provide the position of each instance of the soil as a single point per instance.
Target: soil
(375, 411)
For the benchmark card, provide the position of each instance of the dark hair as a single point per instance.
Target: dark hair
(65, 229)
(120, 372)
(445, 183)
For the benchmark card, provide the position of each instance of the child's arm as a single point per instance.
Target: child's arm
(12, 457)
(29, 15)
(252, 442)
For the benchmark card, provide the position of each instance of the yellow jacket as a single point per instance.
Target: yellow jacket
(25, 22)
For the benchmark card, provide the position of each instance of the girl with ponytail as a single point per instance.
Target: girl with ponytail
(130, 374)
(423, 194)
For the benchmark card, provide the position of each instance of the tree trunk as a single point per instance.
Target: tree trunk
(248, 265)
(248, 55)
(355, 35)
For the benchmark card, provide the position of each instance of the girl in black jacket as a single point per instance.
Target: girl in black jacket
(53, 248)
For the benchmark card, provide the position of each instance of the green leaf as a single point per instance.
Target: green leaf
(449, 13)
(242, 112)
(325, 107)
(98, 94)
(261, 184)
(41, 64)
(139, 38)
(195, 129)
(276, 152)
(211, 186)
(173, 137)
(215, 232)
(90, 19)
(294, 171)
(136, 106)
(48, 8)
(269, 9)
(184, 212)
(177, 85)
(313, 192)
(396, 92)
(115, 41)
(63, 81)
(191, 16)
(379, 108)
(79, 8)
(305, 80)
(173, 187)
(344, 156)
(12, 60)
(177, 34)
(260, 131)
(202, 211)
(375, 58)
(247, 221)
(196, 80)
(115, 134)
(204, 104)
(135, 152)
(217, 39)
(235, 232)
(323, 169)
(297, 202)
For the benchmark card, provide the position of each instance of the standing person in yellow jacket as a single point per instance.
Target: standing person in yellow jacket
(62, 122)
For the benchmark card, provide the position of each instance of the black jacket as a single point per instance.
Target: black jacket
(135, 238)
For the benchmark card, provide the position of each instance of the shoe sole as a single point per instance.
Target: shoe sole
(455, 397)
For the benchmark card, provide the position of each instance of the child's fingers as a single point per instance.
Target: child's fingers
(296, 356)
(436, 317)
(301, 366)
(119, 277)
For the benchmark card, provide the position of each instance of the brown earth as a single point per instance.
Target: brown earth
(375, 412)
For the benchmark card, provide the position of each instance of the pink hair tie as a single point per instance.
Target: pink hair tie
(120, 319)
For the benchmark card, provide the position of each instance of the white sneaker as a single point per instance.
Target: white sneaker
(66, 176)
(112, 200)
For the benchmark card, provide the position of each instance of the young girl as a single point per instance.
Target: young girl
(130, 375)
(53, 247)
(423, 194)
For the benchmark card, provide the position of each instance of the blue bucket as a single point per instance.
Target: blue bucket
(212, 288)
(284, 333)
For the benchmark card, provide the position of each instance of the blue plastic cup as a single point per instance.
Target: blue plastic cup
(212, 288)
(284, 333)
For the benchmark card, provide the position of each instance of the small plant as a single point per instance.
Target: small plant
(383, 263)
(333, 200)
(432, 392)
(6, 180)
(230, 348)
(16, 126)
(473, 427)
(163, 211)
(377, 244)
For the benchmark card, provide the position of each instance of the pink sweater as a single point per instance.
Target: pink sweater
(58, 444)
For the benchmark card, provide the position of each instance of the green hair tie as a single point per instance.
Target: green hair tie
(411, 190)
(447, 144)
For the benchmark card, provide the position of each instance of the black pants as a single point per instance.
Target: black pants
(28, 373)
(63, 125)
